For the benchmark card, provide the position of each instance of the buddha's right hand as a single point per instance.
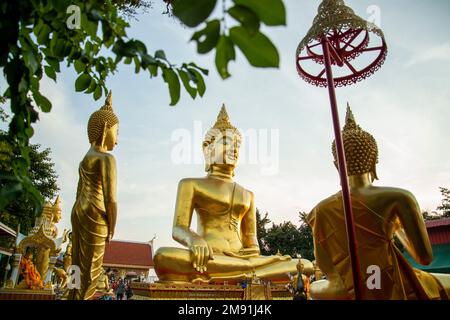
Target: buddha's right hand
(201, 253)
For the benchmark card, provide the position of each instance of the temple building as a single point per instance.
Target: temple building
(7, 238)
(129, 260)
(439, 233)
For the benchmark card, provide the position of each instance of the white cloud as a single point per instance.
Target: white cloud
(439, 52)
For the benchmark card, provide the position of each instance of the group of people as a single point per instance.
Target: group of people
(122, 289)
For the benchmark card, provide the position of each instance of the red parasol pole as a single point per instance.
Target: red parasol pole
(342, 165)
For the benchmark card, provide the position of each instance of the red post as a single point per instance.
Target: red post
(349, 222)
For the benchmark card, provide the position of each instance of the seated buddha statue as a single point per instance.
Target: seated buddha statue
(380, 214)
(225, 246)
(31, 277)
(95, 210)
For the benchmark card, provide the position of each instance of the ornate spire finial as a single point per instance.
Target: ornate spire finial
(108, 103)
(57, 201)
(350, 122)
(223, 120)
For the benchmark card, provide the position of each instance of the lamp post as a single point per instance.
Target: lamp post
(341, 40)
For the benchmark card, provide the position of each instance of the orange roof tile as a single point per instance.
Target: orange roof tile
(128, 253)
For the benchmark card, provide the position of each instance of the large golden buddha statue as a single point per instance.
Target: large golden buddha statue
(225, 246)
(380, 213)
(95, 209)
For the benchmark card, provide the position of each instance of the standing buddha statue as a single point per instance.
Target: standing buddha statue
(225, 246)
(95, 209)
(380, 213)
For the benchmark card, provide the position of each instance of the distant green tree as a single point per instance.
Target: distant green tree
(306, 238)
(43, 177)
(285, 238)
(261, 231)
(444, 208)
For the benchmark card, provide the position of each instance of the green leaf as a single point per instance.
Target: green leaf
(207, 38)
(193, 12)
(202, 70)
(246, 17)
(224, 53)
(160, 54)
(92, 86)
(83, 82)
(30, 61)
(271, 12)
(153, 68)
(98, 92)
(23, 85)
(147, 60)
(42, 36)
(201, 88)
(79, 66)
(258, 50)
(53, 62)
(42, 102)
(186, 82)
(137, 64)
(50, 72)
(171, 78)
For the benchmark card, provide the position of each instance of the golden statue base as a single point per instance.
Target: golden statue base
(194, 291)
(26, 294)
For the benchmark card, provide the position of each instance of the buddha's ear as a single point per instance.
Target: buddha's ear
(103, 136)
(373, 173)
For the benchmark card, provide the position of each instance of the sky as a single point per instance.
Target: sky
(405, 106)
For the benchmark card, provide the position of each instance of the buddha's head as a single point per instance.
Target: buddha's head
(57, 210)
(361, 151)
(221, 143)
(47, 211)
(103, 126)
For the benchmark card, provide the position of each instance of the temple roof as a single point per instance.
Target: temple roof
(128, 254)
(7, 231)
(437, 223)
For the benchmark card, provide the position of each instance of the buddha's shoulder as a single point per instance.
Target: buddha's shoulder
(393, 193)
(325, 203)
(94, 156)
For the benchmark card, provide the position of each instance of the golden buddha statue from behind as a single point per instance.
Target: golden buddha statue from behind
(95, 209)
(225, 246)
(380, 213)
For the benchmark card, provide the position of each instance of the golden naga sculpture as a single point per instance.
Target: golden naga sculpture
(225, 246)
(95, 209)
(380, 213)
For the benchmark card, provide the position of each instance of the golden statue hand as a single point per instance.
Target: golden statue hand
(244, 253)
(201, 253)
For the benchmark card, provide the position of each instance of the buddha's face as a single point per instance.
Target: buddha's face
(222, 149)
(111, 137)
(57, 215)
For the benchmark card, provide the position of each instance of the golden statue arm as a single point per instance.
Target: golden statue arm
(201, 252)
(414, 234)
(333, 288)
(109, 174)
(248, 230)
